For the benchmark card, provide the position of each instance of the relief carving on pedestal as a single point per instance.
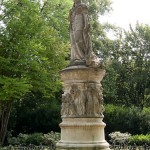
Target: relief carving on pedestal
(83, 102)
(78, 97)
(94, 103)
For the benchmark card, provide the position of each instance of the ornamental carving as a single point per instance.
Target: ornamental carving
(82, 100)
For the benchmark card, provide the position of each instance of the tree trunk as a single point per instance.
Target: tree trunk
(4, 117)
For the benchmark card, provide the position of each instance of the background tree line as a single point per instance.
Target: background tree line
(34, 47)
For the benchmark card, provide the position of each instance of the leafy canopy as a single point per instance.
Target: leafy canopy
(31, 50)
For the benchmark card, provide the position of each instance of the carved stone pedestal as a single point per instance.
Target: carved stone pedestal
(82, 127)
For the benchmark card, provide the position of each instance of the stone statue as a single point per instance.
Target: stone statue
(82, 108)
(94, 105)
(68, 106)
(77, 102)
(79, 99)
(81, 45)
(65, 105)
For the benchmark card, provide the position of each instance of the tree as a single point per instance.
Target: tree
(128, 69)
(56, 12)
(30, 55)
(136, 63)
(98, 29)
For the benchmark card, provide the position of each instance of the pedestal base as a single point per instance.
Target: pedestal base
(82, 109)
(82, 134)
(97, 146)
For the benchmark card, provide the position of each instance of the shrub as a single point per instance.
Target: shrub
(36, 139)
(126, 138)
(20, 139)
(44, 114)
(119, 138)
(52, 137)
(124, 119)
(140, 139)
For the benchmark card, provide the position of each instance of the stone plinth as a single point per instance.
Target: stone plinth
(82, 74)
(82, 110)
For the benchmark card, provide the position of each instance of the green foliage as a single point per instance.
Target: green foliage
(125, 119)
(109, 83)
(100, 41)
(21, 138)
(31, 39)
(30, 54)
(127, 138)
(44, 114)
(119, 138)
(56, 14)
(127, 65)
(35, 139)
(140, 139)
(13, 87)
(99, 7)
(136, 63)
(32, 51)
(52, 137)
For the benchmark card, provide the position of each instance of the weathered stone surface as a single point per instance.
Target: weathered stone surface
(82, 134)
(89, 129)
(78, 102)
(82, 108)
(82, 92)
(81, 45)
(82, 74)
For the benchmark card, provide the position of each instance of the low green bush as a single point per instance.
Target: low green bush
(119, 138)
(52, 137)
(140, 139)
(126, 138)
(36, 139)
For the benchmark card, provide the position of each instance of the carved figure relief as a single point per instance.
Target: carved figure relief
(79, 99)
(88, 102)
(94, 100)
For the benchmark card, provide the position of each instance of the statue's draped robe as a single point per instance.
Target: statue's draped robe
(79, 33)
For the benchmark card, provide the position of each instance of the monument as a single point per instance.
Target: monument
(82, 109)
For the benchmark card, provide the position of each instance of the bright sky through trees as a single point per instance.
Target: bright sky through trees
(127, 12)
